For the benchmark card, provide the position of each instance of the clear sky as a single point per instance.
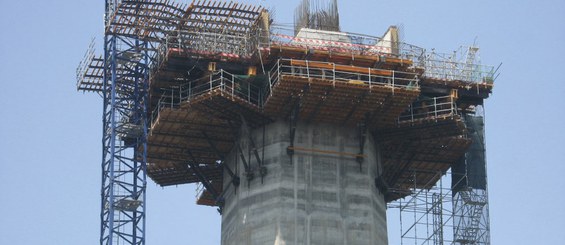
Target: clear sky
(50, 135)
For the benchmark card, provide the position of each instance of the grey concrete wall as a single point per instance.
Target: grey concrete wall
(316, 199)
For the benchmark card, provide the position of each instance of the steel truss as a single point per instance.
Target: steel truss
(124, 137)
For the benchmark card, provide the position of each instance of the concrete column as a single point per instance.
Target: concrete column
(313, 199)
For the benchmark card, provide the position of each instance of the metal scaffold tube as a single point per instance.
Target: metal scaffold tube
(124, 138)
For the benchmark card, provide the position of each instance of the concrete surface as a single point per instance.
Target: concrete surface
(317, 199)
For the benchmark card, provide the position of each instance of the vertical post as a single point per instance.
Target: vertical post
(411, 113)
(270, 82)
(435, 107)
(333, 71)
(370, 82)
(393, 82)
(307, 69)
(221, 80)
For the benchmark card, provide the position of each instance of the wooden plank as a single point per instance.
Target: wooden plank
(336, 67)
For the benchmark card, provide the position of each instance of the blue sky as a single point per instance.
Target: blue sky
(50, 135)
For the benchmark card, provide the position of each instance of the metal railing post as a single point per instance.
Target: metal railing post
(270, 81)
(278, 69)
(411, 113)
(211, 80)
(435, 107)
(307, 70)
(370, 82)
(333, 71)
(189, 91)
(222, 80)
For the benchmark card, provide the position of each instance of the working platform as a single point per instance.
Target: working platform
(415, 164)
(340, 94)
(199, 121)
(428, 139)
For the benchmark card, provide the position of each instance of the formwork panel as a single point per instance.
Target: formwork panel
(342, 102)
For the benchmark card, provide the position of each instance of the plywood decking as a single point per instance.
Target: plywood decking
(416, 163)
(201, 131)
(342, 102)
(420, 150)
(386, 61)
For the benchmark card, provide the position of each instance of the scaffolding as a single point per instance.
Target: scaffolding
(461, 65)
(180, 81)
(439, 216)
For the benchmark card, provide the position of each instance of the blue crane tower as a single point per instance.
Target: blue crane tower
(120, 76)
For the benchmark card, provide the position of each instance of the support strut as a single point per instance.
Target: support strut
(293, 122)
(235, 179)
(362, 131)
(262, 169)
(248, 170)
(206, 183)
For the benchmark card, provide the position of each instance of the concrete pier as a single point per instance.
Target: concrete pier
(313, 198)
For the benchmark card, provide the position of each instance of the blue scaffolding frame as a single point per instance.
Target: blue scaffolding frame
(120, 76)
(124, 137)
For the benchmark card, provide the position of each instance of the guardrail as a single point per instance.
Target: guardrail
(430, 109)
(344, 42)
(340, 74)
(223, 81)
(461, 65)
(246, 45)
(459, 71)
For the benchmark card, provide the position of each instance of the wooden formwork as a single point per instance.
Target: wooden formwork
(339, 102)
(422, 129)
(384, 61)
(416, 153)
(410, 164)
(202, 131)
(206, 198)
(480, 90)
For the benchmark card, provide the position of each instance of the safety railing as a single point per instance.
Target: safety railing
(460, 66)
(90, 71)
(459, 71)
(340, 74)
(245, 45)
(344, 42)
(430, 109)
(236, 86)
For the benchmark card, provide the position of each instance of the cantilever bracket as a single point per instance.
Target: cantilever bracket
(316, 110)
(206, 183)
(220, 201)
(262, 169)
(354, 108)
(213, 146)
(382, 185)
(362, 130)
(293, 121)
(235, 180)
(248, 171)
